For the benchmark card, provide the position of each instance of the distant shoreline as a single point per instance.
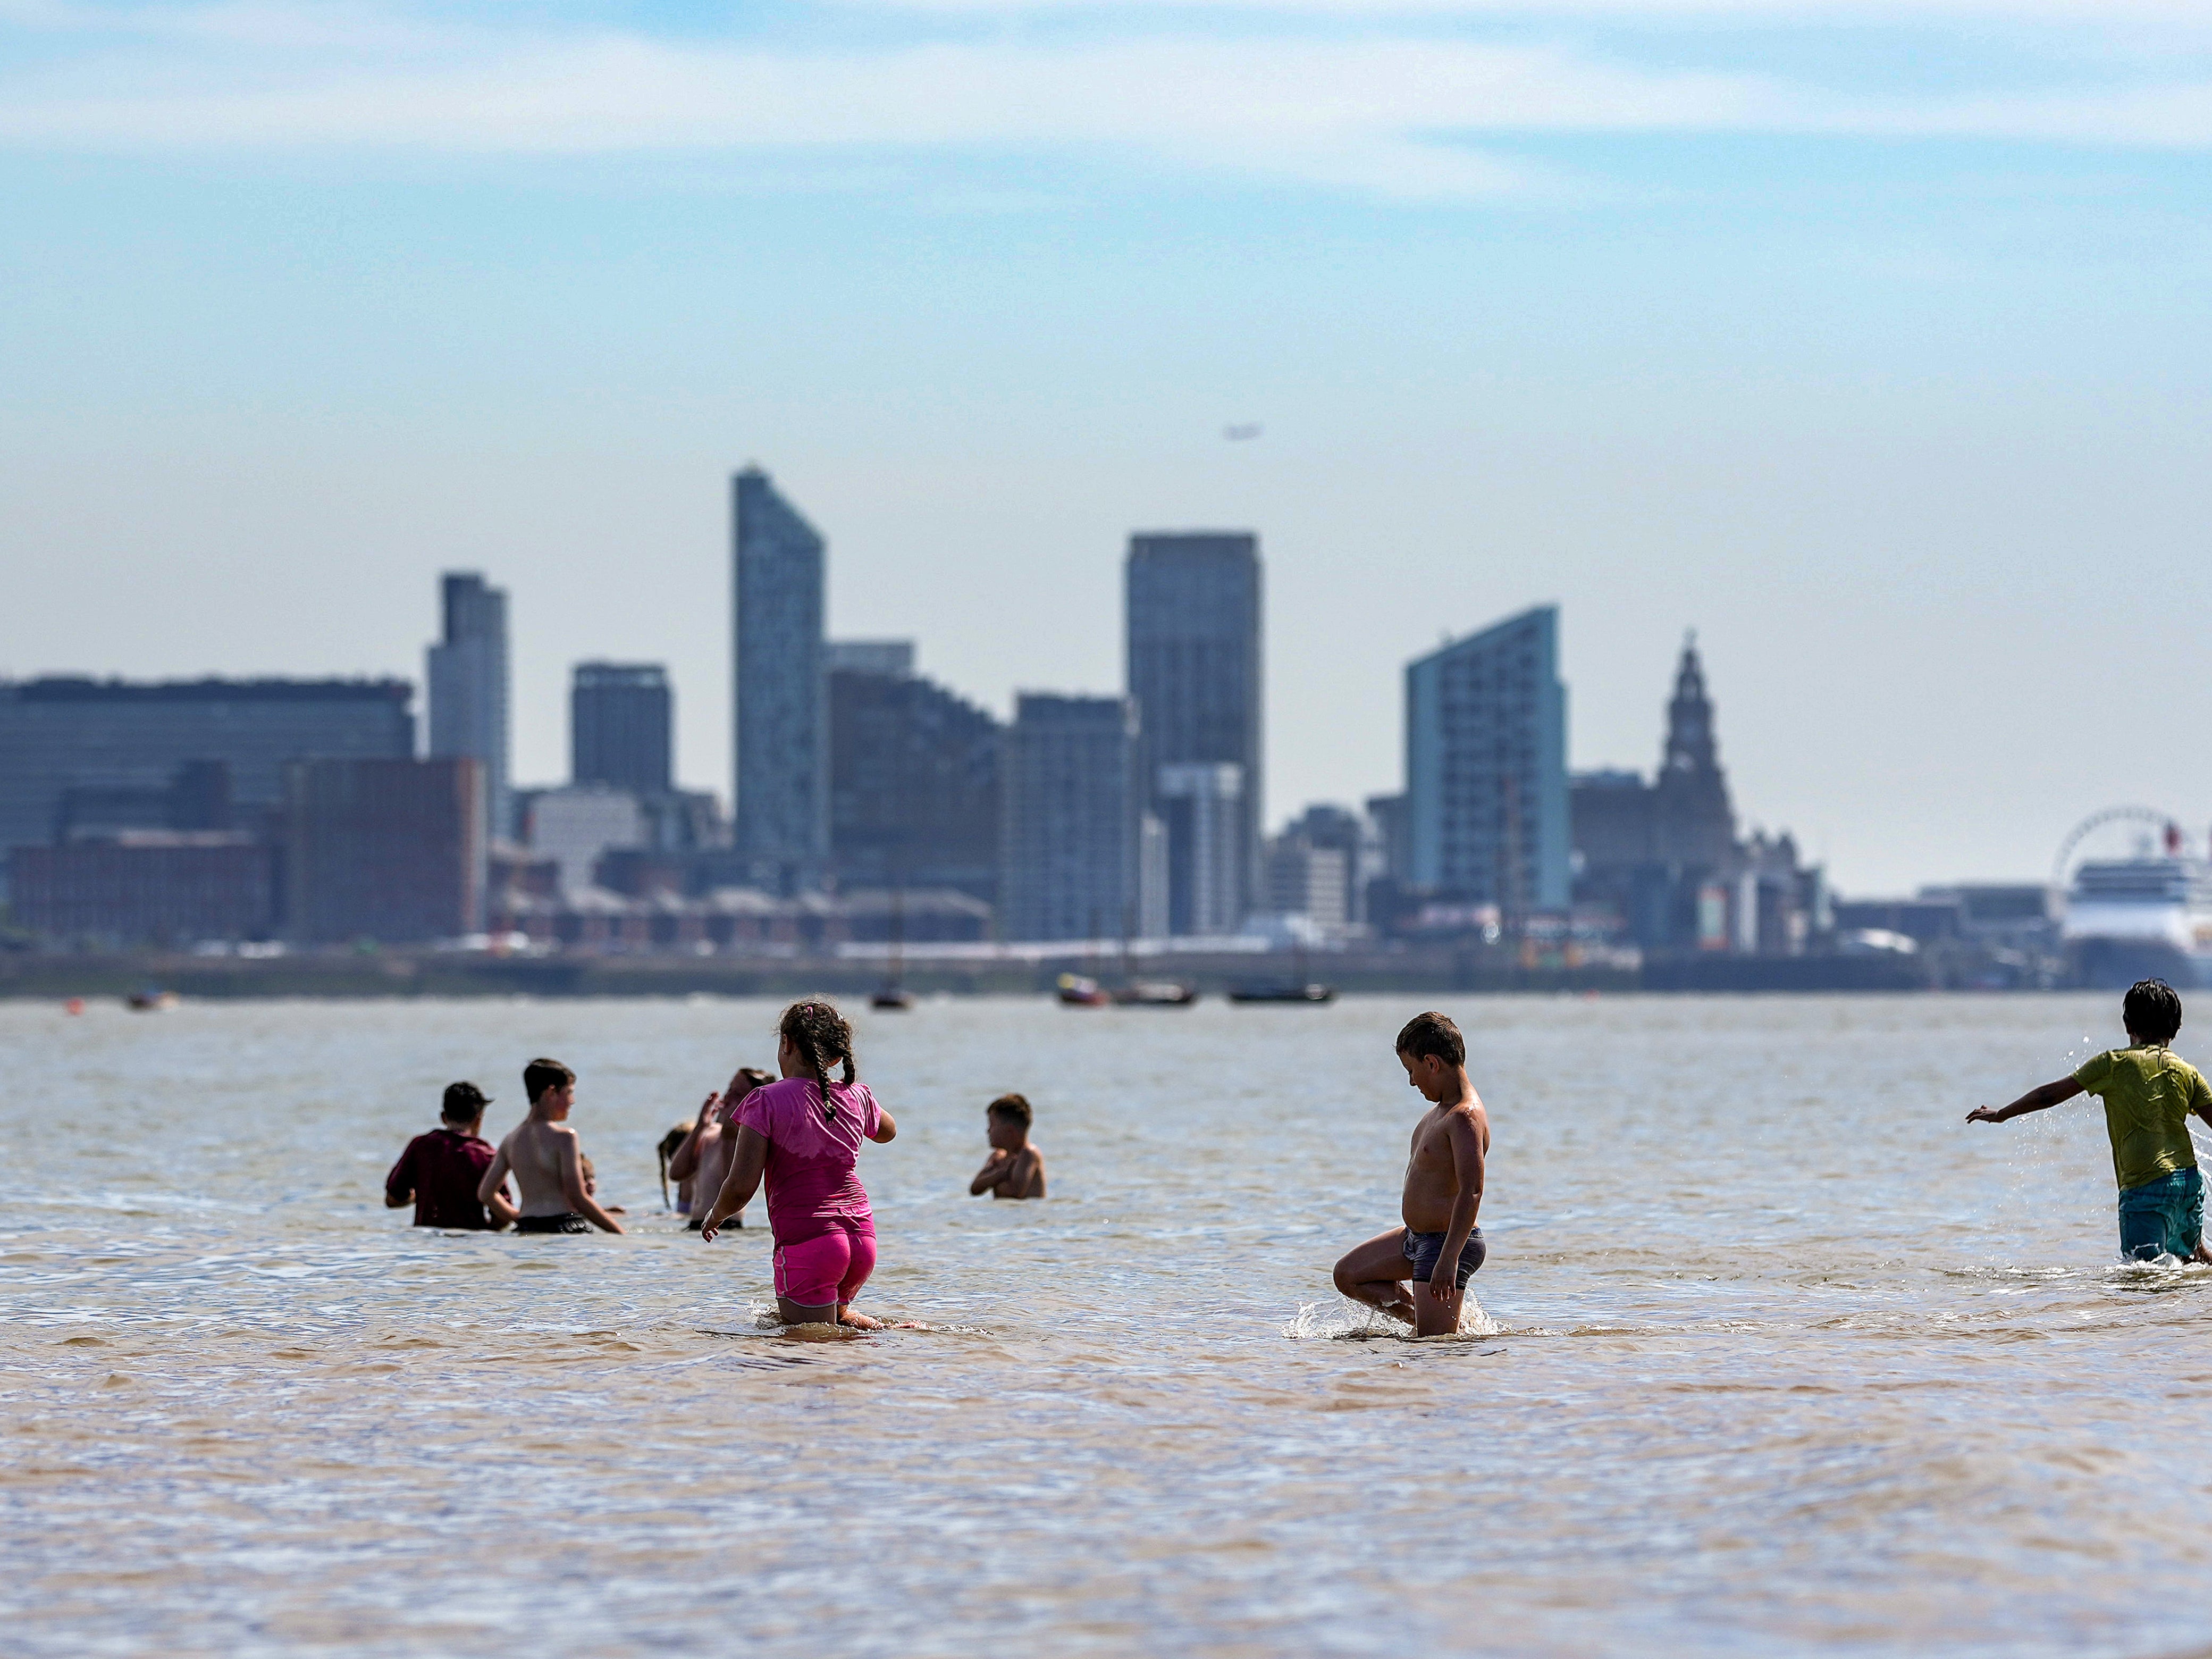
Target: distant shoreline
(386, 974)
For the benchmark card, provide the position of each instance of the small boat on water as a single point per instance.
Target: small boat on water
(891, 997)
(1077, 992)
(150, 1000)
(1284, 993)
(1156, 993)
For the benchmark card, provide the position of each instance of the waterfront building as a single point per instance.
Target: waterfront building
(1664, 858)
(390, 850)
(1200, 805)
(621, 727)
(574, 826)
(1325, 827)
(913, 782)
(781, 727)
(60, 735)
(1307, 880)
(135, 887)
(1070, 819)
(1192, 655)
(1486, 770)
(466, 673)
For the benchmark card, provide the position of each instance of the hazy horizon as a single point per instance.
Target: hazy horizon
(1866, 338)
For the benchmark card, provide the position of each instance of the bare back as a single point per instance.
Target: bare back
(718, 1143)
(1449, 1143)
(544, 1157)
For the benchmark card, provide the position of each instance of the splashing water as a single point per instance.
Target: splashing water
(1350, 1322)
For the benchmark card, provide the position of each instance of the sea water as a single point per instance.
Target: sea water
(1774, 1353)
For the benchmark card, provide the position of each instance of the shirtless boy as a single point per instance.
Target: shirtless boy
(1443, 1189)
(703, 1159)
(547, 1159)
(1015, 1168)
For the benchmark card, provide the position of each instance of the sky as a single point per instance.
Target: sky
(1867, 337)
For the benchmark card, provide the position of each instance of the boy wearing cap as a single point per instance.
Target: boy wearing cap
(438, 1171)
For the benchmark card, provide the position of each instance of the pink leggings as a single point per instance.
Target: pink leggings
(828, 1267)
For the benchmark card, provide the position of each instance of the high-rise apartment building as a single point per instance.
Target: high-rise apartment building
(782, 714)
(913, 784)
(1200, 804)
(72, 750)
(467, 675)
(1487, 769)
(621, 727)
(392, 850)
(1069, 864)
(1192, 610)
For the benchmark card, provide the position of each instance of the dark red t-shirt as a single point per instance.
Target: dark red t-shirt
(442, 1169)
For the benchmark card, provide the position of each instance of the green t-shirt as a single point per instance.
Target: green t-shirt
(2148, 1096)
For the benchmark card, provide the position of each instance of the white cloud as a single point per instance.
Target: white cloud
(1385, 112)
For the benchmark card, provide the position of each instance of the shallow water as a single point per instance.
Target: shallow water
(1778, 1355)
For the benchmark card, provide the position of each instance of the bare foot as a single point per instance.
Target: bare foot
(859, 1321)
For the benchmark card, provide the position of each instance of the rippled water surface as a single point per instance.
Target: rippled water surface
(1780, 1356)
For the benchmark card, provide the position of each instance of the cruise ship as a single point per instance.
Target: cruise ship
(2139, 918)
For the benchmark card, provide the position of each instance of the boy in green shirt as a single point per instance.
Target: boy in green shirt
(2148, 1096)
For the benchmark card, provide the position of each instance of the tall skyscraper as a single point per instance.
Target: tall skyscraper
(1069, 864)
(782, 713)
(1486, 767)
(466, 672)
(621, 727)
(1193, 659)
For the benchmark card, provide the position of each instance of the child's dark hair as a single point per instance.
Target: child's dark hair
(1434, 1034)
(465, 1102)
(1014, 1109)
(543, 1074)
(820, 1034)
(2152, 1011)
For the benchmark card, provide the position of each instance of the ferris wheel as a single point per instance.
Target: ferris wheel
(2165, 836)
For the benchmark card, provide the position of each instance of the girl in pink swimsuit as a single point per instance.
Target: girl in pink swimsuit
(803, 1135)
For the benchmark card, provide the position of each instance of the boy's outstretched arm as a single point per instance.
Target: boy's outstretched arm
(2035, 1100)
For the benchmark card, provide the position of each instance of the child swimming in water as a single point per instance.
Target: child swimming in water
(1439, 1248)
(803, 1135)
(1015, 1168)
(2148, 1096)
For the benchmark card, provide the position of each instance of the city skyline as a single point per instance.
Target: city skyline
(1864, 337)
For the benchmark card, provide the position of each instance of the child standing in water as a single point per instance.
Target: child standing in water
(2148, 1096)
(1439, 1248)
(803, 1136)
(547, 1159)
(1015, 1168)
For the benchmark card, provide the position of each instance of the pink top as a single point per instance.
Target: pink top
(813, 1177)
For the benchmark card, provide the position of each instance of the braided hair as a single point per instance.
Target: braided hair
(821, 1035)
